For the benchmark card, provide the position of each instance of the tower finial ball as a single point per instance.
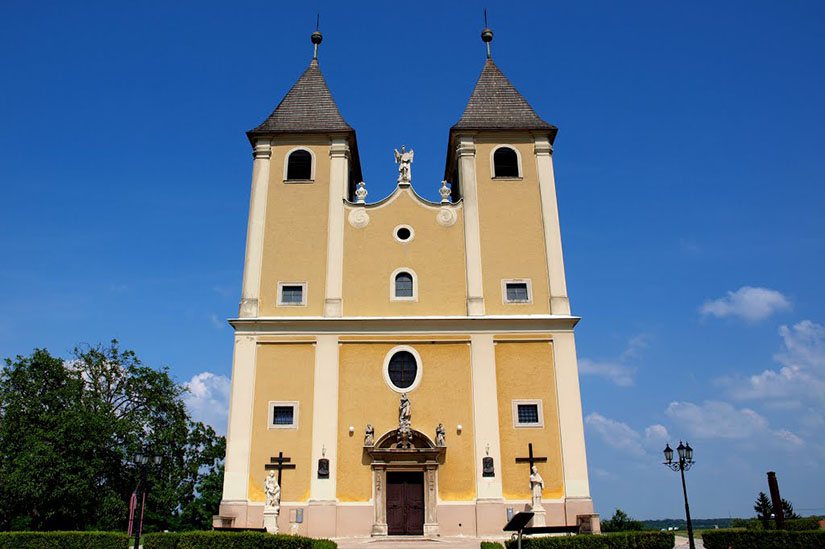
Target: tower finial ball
(487, 35)
(316, 37)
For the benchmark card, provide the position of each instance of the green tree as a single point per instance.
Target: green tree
(763, 509)
(621, 522)
(787, 509)
(70, 428)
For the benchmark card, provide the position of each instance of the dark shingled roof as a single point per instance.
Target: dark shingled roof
(496, 105)
(307, 108)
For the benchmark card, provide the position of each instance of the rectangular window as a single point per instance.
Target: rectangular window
(283, 415)
(292, 294)
(527, 413)
(516, 291)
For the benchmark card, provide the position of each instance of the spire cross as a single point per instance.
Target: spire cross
(316, 36)
(487, 35)
(531, 460)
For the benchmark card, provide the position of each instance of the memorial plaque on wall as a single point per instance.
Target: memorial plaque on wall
(487, 467)
(323, 468)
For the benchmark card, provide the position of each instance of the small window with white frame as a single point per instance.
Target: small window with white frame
(528, 413)
(299, 166)
(292, 294)
(517, 290)
(403, 285)
(283, 414)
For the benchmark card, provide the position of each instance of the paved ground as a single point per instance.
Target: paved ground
(408, 543)
(682, 543)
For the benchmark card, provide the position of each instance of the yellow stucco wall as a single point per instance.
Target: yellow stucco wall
(444, 395)
(435, 254)
(512, 233)
(295, 238)
(524, 370)
(283, 372)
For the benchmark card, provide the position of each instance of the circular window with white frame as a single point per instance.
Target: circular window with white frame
(403, 233)
(402, 369)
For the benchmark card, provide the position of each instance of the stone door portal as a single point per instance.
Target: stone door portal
(405, 503)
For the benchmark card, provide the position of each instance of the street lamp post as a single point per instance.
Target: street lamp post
(685, 462)
(136, 525)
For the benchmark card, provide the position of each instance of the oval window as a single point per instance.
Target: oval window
(402, 369)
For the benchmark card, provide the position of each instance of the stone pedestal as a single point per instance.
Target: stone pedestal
(539, 517)
(271, 520)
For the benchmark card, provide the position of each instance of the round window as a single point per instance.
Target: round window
(403, 233)
(402, 369)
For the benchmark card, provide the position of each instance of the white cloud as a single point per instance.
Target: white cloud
(721, 420)
(749, 303)
(621, 436)
(216, 321)
(802, 372)
(618, 371)
(208, 399)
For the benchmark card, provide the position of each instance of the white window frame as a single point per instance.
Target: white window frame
(522, 401)
(527, 281)
(395, 233)
(270, 414)
(281, 302)
(311, 168)
(493, 163)
(418, 370)
(395, 273)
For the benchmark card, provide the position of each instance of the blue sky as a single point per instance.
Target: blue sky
(689, 169)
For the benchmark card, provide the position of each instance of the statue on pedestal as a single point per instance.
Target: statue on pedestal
(272, 507)
(536, 486)
(369, 435)
(404, 434)
(404, 159)
(440, 435)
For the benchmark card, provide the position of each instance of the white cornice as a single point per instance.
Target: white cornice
(406, 324)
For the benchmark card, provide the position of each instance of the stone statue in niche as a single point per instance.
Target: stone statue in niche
(369, 435)
(440, 435)
(536, 486)
(404, 159)
(404, 434)
(273, 492)
(488, 468)
(323, 468)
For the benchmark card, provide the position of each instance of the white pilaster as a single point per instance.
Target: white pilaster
(574, 458)
(559, 303)
(255, 230)
(485, 413)
(325, 417)
(466, 152)
(339, 172)
(239, 432)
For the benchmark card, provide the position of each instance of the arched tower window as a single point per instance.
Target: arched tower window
(403, 285)
(299, 165)
(506, 163)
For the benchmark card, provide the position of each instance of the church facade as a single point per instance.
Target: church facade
(402, 364)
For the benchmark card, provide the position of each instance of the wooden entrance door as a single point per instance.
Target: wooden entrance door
(405, 504)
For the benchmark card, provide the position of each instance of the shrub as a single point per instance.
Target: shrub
(63, 540)
(232, 540)
(491, 545)
(754, 539)
(619, 540)
(802, 524)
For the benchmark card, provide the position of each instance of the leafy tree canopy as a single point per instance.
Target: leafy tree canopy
(69, 430)
(621, 522)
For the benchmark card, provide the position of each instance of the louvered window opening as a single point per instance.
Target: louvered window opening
(403, 285)
(528, 413)
(402, 369)
(299, 166)
(505, 161)
(517, 291)
(283, 415)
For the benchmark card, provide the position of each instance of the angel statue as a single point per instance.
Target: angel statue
(404, 159)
